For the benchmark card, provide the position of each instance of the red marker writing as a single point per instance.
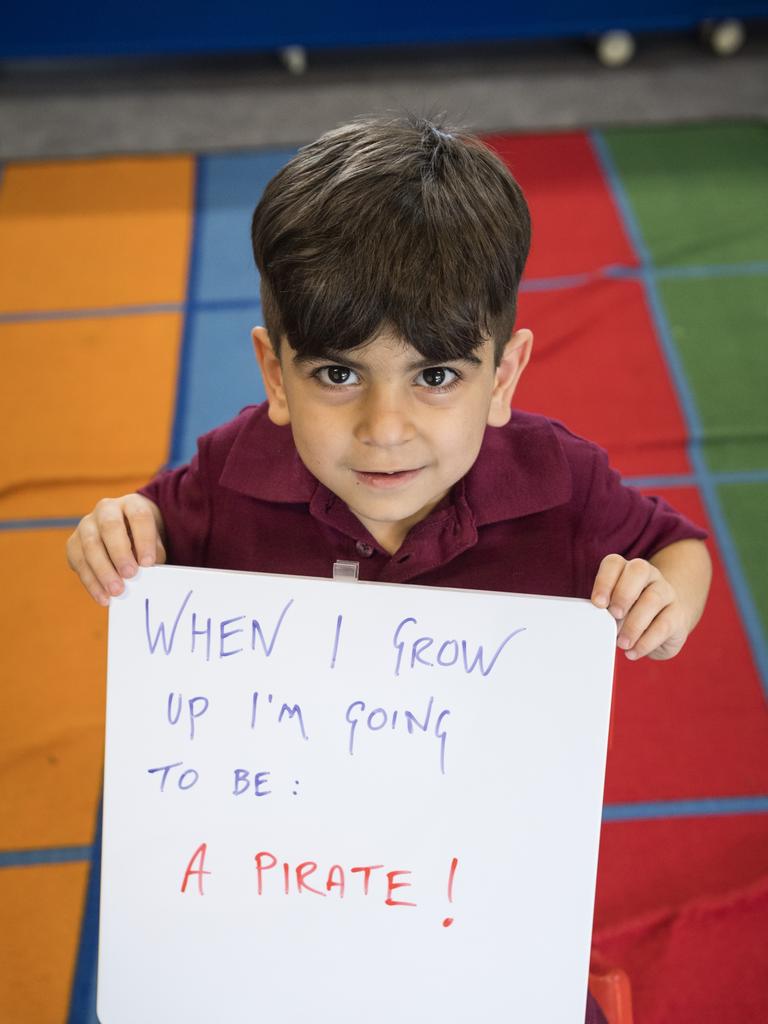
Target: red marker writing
(197, 858)
(448, 921)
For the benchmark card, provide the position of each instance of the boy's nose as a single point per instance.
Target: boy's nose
(384, 422)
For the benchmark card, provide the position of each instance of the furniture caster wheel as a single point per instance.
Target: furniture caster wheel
(615, 48)
(724, 37)
(294, 59)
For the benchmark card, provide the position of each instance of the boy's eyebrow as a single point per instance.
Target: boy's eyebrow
(329, 356)
(422, 364)
(342, 358)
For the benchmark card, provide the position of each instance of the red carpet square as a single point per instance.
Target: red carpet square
(597, 366)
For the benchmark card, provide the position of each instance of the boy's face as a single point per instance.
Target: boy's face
(388, 432)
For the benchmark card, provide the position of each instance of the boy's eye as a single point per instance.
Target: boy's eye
(334, 375)
(437, 377)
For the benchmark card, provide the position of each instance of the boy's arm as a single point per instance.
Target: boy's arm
(110, 543)
(656, 602)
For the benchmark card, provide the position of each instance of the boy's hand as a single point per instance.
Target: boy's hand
(652, 618)
(111, 542)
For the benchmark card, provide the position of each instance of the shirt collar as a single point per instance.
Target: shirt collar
(263, 462)
(521, 468)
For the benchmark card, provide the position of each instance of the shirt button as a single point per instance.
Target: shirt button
(366, 550)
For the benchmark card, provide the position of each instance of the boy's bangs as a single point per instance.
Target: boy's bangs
(441, 308)
(327, 330)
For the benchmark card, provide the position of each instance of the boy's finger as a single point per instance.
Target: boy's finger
(634, 579)
(113, 533)
(93, 586)
(608, 575)
(77, 562)
(642, 613)
(160, 554)
(143, 530)
(96, 558)
(661, 632)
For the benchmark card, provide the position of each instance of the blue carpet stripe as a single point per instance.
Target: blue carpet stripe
(82, 1002)
(639, 811)
(704, 479)
(47, 523)
(182, 389)
(752, 269)
(702, 807)
(746, 476)
(251, 302)
(672, 480)
(226, 305)
(45, 855)
(94, 312)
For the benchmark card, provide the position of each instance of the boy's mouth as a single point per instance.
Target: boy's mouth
(385, 480)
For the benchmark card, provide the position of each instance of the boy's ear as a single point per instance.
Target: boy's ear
(514, 360)
(272, 375)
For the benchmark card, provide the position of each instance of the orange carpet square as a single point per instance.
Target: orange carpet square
(42, 906)
(84, 404)
(85, 234)
(52, 727)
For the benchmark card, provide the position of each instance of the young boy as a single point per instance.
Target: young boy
(390, 253)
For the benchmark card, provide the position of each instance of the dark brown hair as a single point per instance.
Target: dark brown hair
(401, 224)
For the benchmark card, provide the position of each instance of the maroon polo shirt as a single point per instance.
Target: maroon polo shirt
(536, 513)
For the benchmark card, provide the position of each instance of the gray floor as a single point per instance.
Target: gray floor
(50, 109)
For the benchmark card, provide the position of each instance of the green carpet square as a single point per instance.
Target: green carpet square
(745, 508)
(720, 328)
(699, 192)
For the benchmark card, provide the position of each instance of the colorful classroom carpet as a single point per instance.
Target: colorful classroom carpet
(126, 298)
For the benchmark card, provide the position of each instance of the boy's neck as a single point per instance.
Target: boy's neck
(391, 535)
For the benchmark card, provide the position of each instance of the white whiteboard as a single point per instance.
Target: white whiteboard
(280, 704)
